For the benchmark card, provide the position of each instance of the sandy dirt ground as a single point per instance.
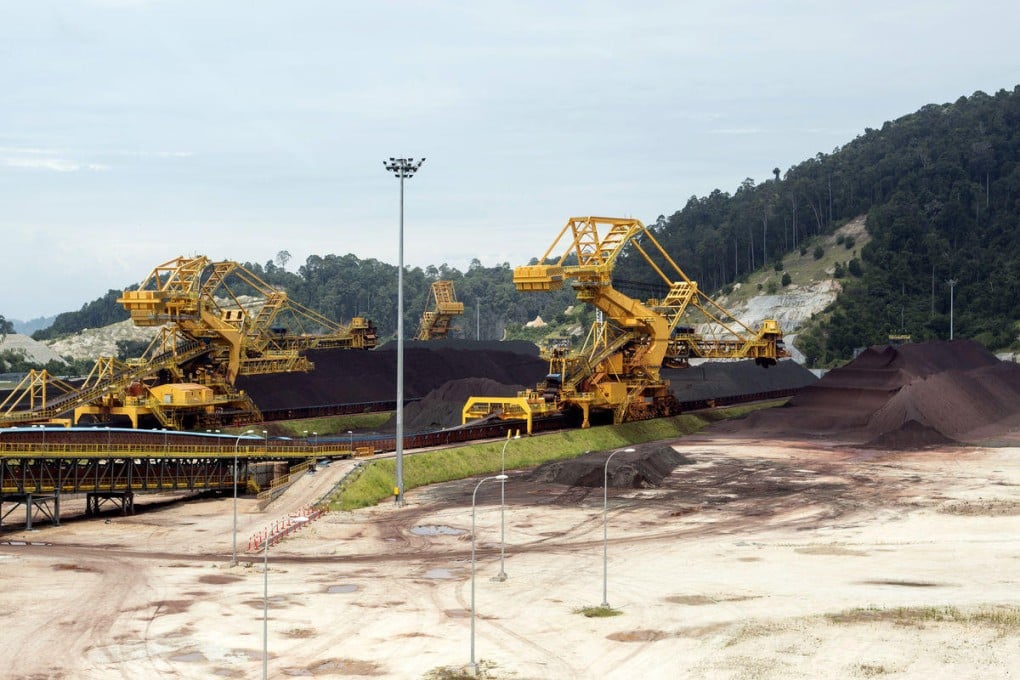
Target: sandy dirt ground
(752, 560)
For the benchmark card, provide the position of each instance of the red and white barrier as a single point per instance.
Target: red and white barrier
(283, 527)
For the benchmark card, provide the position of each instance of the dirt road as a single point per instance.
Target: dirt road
(752, 560)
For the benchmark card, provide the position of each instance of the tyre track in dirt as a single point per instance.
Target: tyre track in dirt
(105, 602)
(565, 669)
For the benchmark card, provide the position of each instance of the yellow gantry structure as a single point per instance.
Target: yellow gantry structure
(442, 308)
(618, 367)
(216, 321)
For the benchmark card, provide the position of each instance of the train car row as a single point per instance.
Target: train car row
(51, 437)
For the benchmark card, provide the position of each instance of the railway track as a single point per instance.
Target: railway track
(37, 443)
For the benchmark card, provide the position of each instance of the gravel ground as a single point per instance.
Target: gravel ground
(755, 559)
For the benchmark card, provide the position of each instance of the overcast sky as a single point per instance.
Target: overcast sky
(134, 131)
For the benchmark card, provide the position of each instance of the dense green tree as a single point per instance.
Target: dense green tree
(95, 314)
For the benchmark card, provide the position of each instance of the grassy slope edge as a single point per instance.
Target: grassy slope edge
(372, 482)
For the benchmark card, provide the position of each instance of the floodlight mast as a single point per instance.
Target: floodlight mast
(402, 168)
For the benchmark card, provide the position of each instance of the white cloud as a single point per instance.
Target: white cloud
(124, 3)
(34, 151)
(735, 131)
(54, 164)
(157, 154)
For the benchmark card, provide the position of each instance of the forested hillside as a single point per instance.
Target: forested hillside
(940, 187)
(345, 286)
(95, 314)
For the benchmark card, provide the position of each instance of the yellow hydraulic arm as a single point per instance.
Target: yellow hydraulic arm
(216, 321)
(618, 368)
(442, 308)
(596, 254)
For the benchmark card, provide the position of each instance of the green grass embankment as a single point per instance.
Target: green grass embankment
(326, 426)
(373, 482)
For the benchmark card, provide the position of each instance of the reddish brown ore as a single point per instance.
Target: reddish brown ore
(907, 396)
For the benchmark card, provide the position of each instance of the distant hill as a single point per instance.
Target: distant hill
(28, 349)
(29, 327)
(941, 191)
(101, 312)
(938, 191)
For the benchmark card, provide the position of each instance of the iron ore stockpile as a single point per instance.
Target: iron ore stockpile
(645, 468)
(352, 377)
(904, 397)
(442, 407)
(443, 374)
(719, 379)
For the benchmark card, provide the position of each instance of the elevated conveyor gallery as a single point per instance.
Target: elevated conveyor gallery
(110, 466)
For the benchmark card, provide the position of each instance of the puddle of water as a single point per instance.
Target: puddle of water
(343, 588)
(439, 574)
(436, 530)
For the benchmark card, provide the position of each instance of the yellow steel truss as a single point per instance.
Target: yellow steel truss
(618, 367)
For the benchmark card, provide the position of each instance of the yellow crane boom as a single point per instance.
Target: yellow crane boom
(618, 368)
(216, 321)
(440, 311)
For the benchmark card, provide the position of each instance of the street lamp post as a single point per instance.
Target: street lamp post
(265, 604)
(350, 433)
(233, 553)
(502, 480)
(501, 576)
(605, 527)
(402, 168)
(952, 284)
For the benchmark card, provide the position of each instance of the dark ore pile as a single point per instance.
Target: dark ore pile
(354, 376)
(904, 396)
(443, 407)
(645, 468)
(714, 379)
(443, 374)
